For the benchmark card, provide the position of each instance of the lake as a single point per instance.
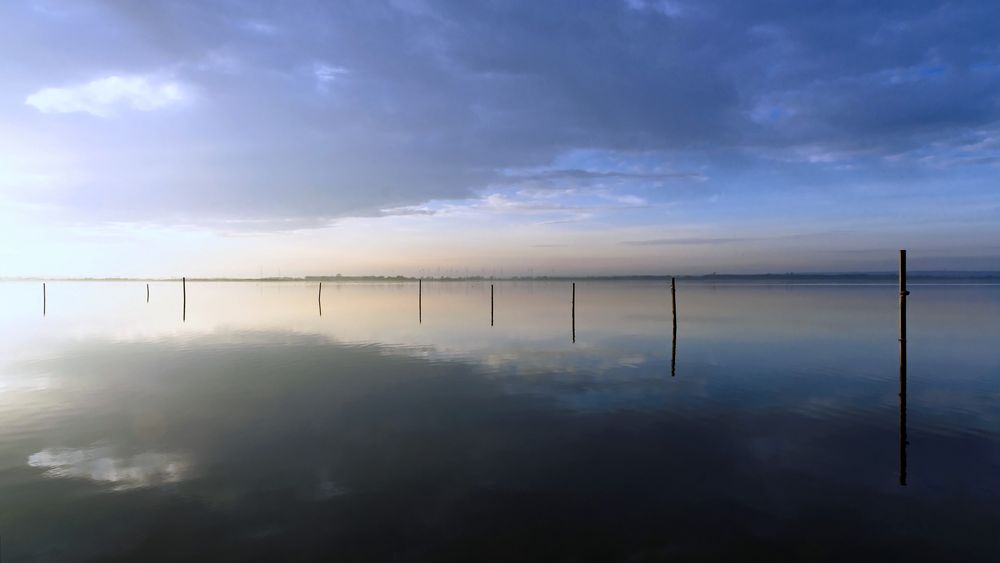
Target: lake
(257, 428)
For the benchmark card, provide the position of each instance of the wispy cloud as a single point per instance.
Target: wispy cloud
(326, 75)
(104, 97)
(259, 27)
(406, 210)
(683, 241)
(569, 205)
(663, 7)
(578, 174)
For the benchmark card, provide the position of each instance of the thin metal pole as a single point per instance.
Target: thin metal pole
(491, 304)
(184, 307)
(420, 301)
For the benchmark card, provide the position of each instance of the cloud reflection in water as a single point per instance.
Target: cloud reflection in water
(99, 464)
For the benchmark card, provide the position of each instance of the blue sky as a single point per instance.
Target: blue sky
(224, 137)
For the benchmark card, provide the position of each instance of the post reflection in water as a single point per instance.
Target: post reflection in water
(902, 413)
(673, 340)
(673, 352)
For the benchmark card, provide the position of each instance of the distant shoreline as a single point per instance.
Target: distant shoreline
(818, 278)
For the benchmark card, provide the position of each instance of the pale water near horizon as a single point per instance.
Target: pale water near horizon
(257, 428)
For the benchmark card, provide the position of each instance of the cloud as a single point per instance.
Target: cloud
(404, 211)
(259, 27)
(584, 175)
(326, 75)
(683, 241)
(441, 101)
(106, 96)
(663, 7)
(560, 206)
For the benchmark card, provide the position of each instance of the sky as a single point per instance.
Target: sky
(564, 137)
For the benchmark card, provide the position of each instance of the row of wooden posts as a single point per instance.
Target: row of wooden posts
(673, 299)
(420, 309)
(903, 293)
(420, 304)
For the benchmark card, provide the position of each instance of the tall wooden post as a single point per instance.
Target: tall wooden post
(573, 311)
(673, 300)
(147, 293)
(420, 301)
(902, 301)
(673, 340)
(319, 299)
(45, 300)
(184, 293)
(491, 304)
(902, 367)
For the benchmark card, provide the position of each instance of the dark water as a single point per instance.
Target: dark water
(260, 430)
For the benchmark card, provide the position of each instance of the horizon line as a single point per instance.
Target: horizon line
(954, 274)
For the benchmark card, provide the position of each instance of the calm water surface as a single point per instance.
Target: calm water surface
(259, 429)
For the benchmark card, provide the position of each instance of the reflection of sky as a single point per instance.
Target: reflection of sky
(769, 340)
(99, 464)
(257, 400)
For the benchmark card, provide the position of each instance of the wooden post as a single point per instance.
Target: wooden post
(184, 306)
(420, 300)
(491, 304)
(673, 300)
(673, 340)
(902, 367)
(45, 300)
(147, 293)
(573, 311)
(902, 300)
(319, 299)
